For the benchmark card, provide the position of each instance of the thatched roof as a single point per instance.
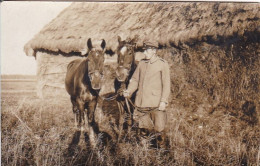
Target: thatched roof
(170, 24)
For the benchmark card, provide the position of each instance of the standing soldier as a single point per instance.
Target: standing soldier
(151, 79)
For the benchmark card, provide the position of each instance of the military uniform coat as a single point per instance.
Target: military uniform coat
(151, 79)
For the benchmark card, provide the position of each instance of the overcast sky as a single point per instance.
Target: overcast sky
(20, 21)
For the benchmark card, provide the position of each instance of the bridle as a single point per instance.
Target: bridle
(128, 67)
(90, 72)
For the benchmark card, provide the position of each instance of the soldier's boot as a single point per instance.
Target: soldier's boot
(161, 140)
(138, 134)
(141, 134)
(137, 131)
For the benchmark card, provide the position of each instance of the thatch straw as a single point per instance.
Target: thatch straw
(171, 24)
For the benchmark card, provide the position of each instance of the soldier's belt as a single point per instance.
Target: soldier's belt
(147, 109)
(143, 109)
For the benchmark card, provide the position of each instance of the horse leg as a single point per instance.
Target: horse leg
(103, 122)
(121, 120)
(89, 129)
(75, 111)
(85, 119)
(91, 110)
(81, 107)
(129, 117)
(129, 124)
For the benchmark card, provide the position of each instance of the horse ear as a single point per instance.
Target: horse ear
(103, 44)
(134, 40)
(119, 39)
(89, 44)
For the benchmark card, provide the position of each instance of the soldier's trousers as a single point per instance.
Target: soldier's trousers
(153, 121)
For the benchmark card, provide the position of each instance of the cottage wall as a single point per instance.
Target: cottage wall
(51, 71)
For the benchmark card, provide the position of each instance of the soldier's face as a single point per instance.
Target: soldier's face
(149, 53)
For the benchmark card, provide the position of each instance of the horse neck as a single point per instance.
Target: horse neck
(131, 72)
(85, 71)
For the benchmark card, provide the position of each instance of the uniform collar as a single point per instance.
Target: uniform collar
(154, 59)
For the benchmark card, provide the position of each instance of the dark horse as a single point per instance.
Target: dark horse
(124, 72)
(83, 83)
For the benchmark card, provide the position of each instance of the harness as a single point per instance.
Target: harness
(129, 102)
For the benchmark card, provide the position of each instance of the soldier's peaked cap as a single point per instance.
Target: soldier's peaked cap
(150, 43)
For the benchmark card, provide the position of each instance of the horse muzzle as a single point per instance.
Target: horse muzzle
(122, 74)
(96, 80)
(96, 85)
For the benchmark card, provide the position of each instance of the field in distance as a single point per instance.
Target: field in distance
(18, 83)
(17, 76)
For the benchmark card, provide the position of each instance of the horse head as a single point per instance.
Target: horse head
(125, 52)
(96, 63)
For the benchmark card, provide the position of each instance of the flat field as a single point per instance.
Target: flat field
(41, 132)
(14, 88)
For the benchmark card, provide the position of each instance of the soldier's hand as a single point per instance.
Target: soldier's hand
(126, 93)
(162, 106)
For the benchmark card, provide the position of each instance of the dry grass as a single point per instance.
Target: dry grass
(37, 132)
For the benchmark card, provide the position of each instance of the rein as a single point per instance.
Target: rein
(113, 97)
(121, 89)
(129, 102)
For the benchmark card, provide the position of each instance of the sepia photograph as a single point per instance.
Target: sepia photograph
(130, 83)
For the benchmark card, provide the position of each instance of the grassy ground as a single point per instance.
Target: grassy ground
(40, 132)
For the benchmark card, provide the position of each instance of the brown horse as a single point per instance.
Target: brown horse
(83, 82)
(124, 72)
